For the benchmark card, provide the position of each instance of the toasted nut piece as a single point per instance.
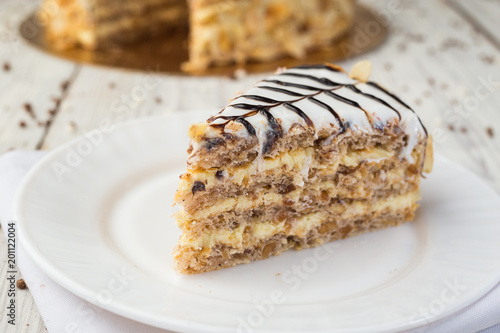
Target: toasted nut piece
(361, 71)
(196, 131)
(345, 231)
(266, 252)
(327, 227)
(429, 155)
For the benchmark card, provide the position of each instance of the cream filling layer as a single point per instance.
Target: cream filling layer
(267, 198)
(301, 159)
(300, 227)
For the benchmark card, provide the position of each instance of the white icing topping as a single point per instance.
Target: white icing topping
(320, 96)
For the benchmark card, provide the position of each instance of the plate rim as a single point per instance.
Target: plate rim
(63, 279)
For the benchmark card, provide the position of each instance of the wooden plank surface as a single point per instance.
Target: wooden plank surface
(119, 96)
(483, 14)
(438, 57)
(31, 83)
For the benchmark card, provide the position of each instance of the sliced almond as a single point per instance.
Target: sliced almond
(361, 71)
(429, 155)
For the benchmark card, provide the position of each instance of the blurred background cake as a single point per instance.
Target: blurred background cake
(221, 31)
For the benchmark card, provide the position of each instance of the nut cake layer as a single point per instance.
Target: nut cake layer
(309, 155)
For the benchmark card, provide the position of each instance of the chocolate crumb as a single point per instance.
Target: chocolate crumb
(219, 174)
(198, 186)
(463, 129)
(431, 81)
(51, 112)
(444, 86)
(111, 85)
(158, 100)
(388, 66)
(489, 131)
(29, 109)
(22, 124)
(21, 284)
(64, 85)
(451, 127)
(57, 101)
(6, 67)
(401, 47)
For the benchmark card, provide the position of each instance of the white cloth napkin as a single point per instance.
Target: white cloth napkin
(64, 312)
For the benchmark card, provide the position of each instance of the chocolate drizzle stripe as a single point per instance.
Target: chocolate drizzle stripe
(248, 114)
(273, 134)
(373, 84)
(283, 91)
(246, 106)
(260, 99)
(343, 99)
(349, 102)
(331, 110)
(301, 113)
(290, 84)
(321, 80)
(247, 125)
(381, 101)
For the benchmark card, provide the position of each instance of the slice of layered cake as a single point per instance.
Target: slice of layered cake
(221, 31)
(307, 156)
(104, 24)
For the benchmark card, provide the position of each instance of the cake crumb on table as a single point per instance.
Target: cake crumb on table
(489, 131)
(64, 85)
(21, 284)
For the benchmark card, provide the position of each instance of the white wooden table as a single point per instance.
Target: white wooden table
(439, 57)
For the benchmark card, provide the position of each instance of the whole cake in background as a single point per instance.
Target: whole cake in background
(221, 31)
(306, 156)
